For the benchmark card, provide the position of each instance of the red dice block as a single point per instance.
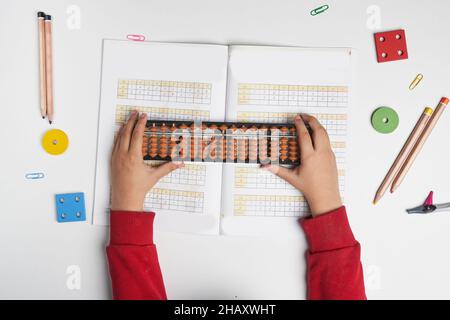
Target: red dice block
(391, 45)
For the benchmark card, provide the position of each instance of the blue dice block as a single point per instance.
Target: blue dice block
(70, 207)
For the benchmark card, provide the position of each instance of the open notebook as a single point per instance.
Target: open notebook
(175, 81)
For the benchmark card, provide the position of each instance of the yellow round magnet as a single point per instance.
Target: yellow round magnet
(55, 141)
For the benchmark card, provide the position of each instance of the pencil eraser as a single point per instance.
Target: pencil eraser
(444, 100)
(48, 17)
(41, 14)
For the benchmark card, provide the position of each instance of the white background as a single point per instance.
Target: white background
(403, 256)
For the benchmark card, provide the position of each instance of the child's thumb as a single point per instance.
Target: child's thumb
(167, 168)
(284, 173)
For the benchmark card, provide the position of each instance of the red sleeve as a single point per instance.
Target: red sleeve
(132, 257)
(334, 269)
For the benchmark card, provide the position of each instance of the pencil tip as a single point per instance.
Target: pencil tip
(374, 202)
(43, 117)
(50, 121)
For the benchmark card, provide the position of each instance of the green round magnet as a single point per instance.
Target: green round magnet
(385, 120)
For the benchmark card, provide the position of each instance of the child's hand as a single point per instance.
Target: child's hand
(131, 178)
(317, 176)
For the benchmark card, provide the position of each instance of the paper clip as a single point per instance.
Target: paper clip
(320, 9)
(135, 37)
(416, 81)
(35, 175)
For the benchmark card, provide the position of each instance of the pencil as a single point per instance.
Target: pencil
(49, 66)
(419, 143)
(418, 128)
(43, 86)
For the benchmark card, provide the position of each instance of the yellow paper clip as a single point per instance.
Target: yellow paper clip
(320, 9)
(416, 81)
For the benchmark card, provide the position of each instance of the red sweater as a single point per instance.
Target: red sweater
(334, 270)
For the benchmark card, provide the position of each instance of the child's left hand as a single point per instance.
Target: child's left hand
(317, 176)
(131, 178)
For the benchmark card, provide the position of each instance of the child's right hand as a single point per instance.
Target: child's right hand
(317, 176)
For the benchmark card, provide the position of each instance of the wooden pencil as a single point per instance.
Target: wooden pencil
(43, 85)
(419, 144)
(403, 154)
(49, 67)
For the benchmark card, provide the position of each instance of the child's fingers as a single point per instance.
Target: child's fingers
(304, 139)
(284, 173)
(116, 145)
(138, 133)
(126, 132)
(166, 168)
(319, 133)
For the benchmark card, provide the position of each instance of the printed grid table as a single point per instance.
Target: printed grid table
(246, 177)
(270, 205)
(161, 113)
(178, 200)
(190, 174)
(336, 124)
(165, 91)
(292, 95)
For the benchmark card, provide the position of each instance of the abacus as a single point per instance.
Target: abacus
(221, 142)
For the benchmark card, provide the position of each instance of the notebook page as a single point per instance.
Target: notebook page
(168, 81)
(273, 84)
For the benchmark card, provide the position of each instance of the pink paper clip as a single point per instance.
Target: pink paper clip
(135, 37)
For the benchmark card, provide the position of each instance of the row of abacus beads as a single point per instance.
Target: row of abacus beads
(158, 142)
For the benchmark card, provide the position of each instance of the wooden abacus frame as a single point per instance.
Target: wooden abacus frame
(221, 142)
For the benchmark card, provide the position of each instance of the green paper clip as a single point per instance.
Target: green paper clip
(319, 10)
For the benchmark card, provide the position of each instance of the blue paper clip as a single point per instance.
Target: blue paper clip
(320, 9)
(35, 175)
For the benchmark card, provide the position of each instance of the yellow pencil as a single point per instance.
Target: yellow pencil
(403, 154)
(419, 143)
(49, 66)
(43, 84)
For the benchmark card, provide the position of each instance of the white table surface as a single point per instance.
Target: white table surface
(403, 256)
